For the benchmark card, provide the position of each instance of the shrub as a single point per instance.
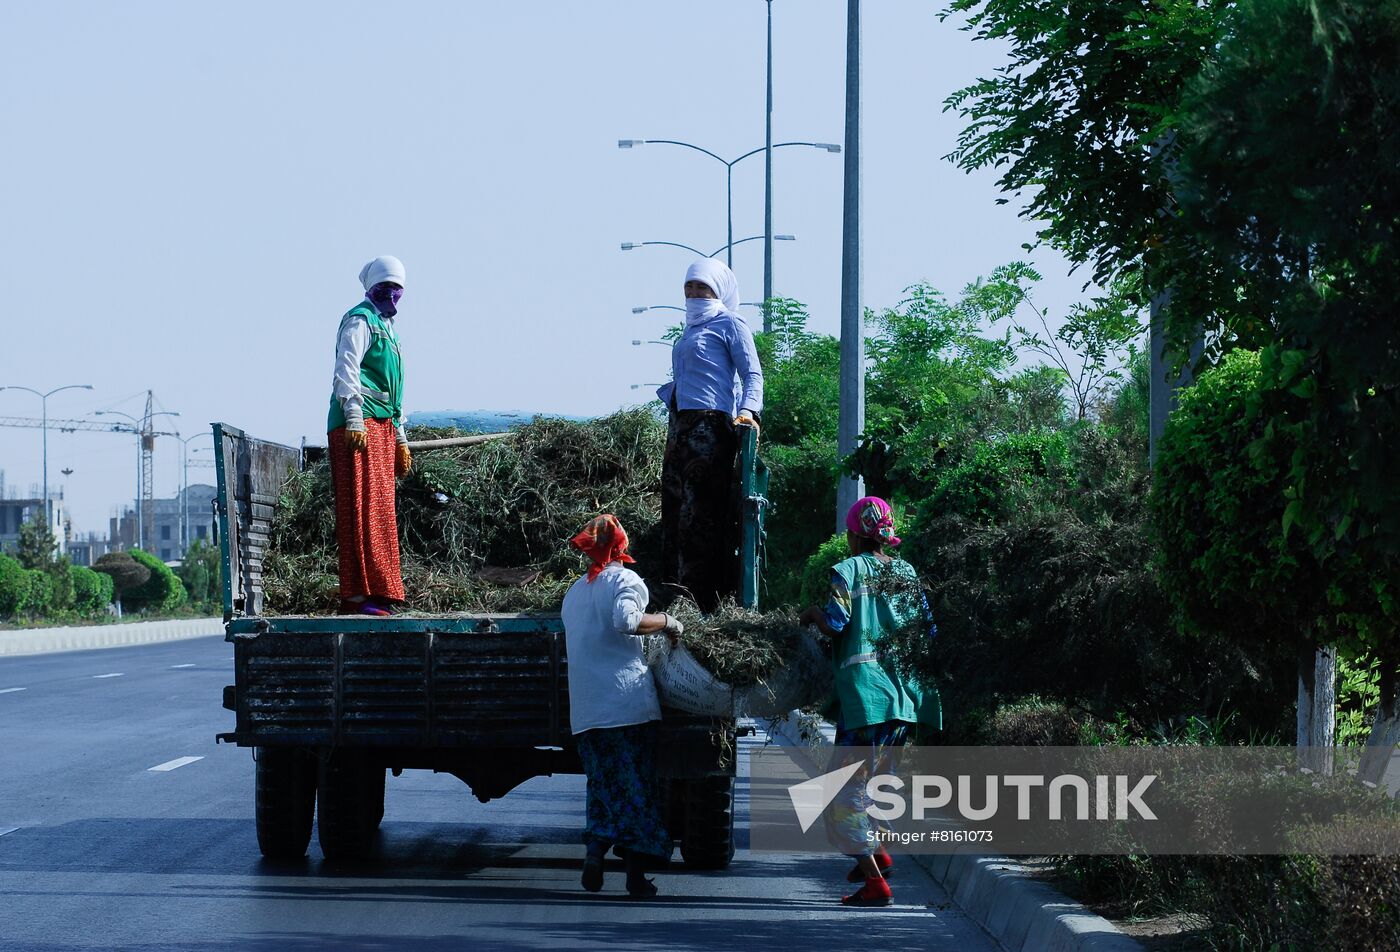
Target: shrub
(39, 593)
(92, 591)
(126, 573)
(815, 586)
(161, 592)
(14, 588)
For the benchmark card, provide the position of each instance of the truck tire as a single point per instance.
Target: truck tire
(707, 832)
(284, 797)
(347, 809)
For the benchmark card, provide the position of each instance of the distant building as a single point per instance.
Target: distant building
(182, 521)
(14, 513)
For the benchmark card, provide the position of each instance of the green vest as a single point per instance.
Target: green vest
(868, 687)
(381, 371)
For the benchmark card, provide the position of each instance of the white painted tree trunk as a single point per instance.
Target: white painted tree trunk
(1317, 707)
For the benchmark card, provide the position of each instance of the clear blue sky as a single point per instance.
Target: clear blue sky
(190, 189)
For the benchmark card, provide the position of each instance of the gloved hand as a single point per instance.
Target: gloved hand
(403, 460)
(357, 439)
(673, 629)
(745, 419)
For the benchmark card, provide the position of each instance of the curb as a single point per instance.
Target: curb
(33, 641)
(996, 892)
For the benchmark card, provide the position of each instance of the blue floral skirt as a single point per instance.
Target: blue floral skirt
(624, 799)
(851, 829)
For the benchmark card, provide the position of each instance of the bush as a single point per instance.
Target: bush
(161, 592)
(14, 588)
(802, 492)
(815, 588)
(126, 573)
(92, 591)
(200, 572)
(39, 593)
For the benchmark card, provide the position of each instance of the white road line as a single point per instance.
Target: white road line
(172, 764)
(117, 674)
(11, 690)
(183, 666)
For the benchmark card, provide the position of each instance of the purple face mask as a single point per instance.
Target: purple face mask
(385, 297)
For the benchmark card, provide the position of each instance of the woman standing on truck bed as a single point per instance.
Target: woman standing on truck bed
(699, 525)
(613, 708)
(367, 443)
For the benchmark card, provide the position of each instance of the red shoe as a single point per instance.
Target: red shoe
(882, 859)
(875, 892)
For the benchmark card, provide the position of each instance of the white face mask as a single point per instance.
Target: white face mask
(700, 310)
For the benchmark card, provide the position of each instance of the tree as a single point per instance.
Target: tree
(200, 572)
(161, 592)
(1288, 175)
(1075, 120)
(37, 548)
(1225, 555)
(126, 573)
(92, 591)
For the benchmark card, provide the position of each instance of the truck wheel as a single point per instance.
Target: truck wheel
(707, 837)
(347, 810)
(284, 801)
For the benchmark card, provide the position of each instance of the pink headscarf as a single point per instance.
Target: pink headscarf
(871, 518)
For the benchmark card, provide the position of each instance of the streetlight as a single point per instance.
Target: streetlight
(139, 428)
(729, 171)
(185, 487)
(663, 343)
(632, 245)
(638, 386)
(44, 398)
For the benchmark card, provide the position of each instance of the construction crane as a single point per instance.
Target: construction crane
(143, 428)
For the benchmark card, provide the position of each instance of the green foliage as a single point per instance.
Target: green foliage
(201, 573)
(14, 587)
(1289, 181)
(1221, 512)
(92, 591)
(802, 497)
(1358, 693)
(1018, 473)
(126, 573)
(1073, 121)
(800, 384)
(816, 574)
(161, 592)
(37, 548)
(38, 599)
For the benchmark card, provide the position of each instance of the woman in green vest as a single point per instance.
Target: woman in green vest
(368, 448)
(874, 595)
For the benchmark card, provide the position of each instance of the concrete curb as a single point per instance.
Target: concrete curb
(997, 893)
(33, 641)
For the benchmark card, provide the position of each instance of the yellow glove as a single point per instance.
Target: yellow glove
(357, 439)
(403, 461)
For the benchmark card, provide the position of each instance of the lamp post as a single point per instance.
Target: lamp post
(672, 307)
(44, 399)
(638, 386)
(633, 245)
(768, 180)
(140, 427)
(663, 343)
(767, 150)
(852, 393)
(185, 487)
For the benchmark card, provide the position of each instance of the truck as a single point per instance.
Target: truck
(331, 706)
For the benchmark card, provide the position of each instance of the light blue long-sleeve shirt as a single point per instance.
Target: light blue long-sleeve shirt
(704, 363)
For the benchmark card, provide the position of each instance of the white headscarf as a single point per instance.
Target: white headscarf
(383, 268)
(715, 275)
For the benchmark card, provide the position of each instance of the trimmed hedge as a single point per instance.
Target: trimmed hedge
(162, 592)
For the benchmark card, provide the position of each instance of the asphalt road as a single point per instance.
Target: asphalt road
(101, 850)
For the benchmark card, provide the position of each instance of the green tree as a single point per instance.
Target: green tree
(161, 592)
(1288, 176)
(1074, 121)
(92, 591)
(200, 572)
(37, 548)
(14, 587)
(126, 573)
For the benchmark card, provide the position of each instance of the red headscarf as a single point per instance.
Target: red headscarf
(604, 541)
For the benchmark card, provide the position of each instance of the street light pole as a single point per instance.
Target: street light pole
(852, 396)
(44, 400)
(768, 184)
(632, 245)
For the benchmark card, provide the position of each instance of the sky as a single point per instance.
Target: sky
(188, 191)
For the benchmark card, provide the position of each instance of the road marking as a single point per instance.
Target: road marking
(172, 764)
(183, 666)
(117, 674)
(11, 690)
